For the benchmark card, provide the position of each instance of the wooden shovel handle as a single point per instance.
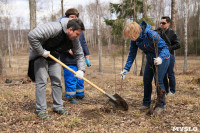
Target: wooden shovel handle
(68, 68)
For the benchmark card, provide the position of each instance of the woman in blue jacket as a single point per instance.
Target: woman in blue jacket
(142, 36)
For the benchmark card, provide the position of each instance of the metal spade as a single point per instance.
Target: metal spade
(115, 101)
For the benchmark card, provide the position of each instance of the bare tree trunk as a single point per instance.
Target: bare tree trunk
(32, 6)
(9, 46)
(99, 37)
(198, 28)
(123, 45)
(18, 37)
(1, 63)
(185, 35)
(93, 37)
(62, 8)
(160, 11)
(144, 8)
(174, 10)
(96, 36)
(109, 44)
(143, 55)
(114, 68)
(143, 64)
(8, 34)
(135, 66)
(14, 42)
(52, 16)
(20, 33)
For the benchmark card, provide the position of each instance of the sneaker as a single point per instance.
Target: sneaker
(158, 110)
(170, 94)
(43, 115)
(62, 112)
(143, 107)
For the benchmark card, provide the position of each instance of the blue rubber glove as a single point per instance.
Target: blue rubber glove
(88, 62)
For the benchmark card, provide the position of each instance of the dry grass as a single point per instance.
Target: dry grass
(17, 101)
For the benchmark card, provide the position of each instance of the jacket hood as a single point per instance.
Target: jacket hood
(64, 22)
(145, 27)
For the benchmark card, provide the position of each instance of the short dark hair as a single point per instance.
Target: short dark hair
(75, 24)
(71, 11)
(167, 19)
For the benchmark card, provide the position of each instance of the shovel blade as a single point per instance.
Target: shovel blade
(119, 103)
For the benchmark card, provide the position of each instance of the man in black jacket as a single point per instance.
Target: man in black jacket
(173, 45)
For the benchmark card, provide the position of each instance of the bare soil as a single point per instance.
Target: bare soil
(17, 101)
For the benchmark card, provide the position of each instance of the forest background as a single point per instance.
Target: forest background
(104, 21)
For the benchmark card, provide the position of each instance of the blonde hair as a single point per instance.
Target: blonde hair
(132, 31)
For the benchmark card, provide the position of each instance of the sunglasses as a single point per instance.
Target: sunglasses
(163, 23)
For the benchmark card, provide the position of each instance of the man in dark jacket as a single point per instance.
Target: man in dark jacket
(73, 86)
(173, 45)
(54, 38)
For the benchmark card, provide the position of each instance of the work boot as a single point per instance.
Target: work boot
(62, 112)
(143, 107)
(81, 98)
(43, 115)
(72, 100)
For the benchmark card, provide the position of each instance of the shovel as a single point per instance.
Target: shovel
(159, 90)
(115, 101)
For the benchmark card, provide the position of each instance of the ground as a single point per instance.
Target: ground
(17, 101)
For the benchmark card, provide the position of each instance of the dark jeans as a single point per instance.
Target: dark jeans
(149, 73)
(171, 84)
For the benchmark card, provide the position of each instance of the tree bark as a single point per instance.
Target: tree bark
(9, 47)
(174, 9)
(62, 8)
(99, 36)
(109, 44)
(198, 28)
(1, 66)
(32, 7)
(185, 35)
(135, 66)
(143, 55)
(144, 8)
